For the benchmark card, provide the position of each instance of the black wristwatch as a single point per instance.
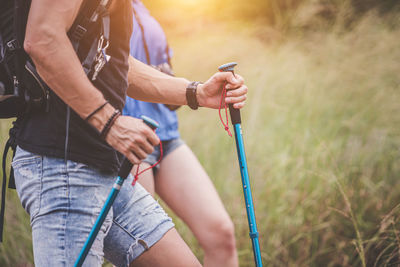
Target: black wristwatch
(191, 97)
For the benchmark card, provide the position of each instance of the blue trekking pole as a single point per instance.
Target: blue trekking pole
(123, 173)
(251, 217)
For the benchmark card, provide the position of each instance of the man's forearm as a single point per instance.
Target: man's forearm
(151, 85)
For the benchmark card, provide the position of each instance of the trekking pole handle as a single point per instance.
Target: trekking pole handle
(234, 112)
(126, 166)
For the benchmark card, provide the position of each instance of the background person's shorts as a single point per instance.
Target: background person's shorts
(168, 146)
(64, 199)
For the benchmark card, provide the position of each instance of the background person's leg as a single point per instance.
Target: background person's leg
(142, 233)
(146, 179)
(186, 188)
(171, 250)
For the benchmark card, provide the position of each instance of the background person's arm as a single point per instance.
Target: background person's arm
(48, 45)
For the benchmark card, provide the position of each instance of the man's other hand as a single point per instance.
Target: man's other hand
(133, 138)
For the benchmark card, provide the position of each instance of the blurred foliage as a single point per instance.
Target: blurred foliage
(281, 14)
(321, 127)
(322, 137)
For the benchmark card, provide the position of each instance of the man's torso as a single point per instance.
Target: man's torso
(45, 133)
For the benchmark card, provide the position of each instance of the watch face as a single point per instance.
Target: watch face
(192, 85)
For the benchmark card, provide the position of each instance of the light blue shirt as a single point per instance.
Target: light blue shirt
(157, 47)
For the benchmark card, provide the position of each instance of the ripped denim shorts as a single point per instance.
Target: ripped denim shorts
(64, 199)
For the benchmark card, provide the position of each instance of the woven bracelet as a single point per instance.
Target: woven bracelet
(110, 123)
(96, 110)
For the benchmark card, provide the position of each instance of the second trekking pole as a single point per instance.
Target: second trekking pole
(251, 217)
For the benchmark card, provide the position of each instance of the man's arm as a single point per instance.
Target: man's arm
(151, 85)
(48, 45)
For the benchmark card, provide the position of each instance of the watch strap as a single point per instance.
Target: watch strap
(191, 98)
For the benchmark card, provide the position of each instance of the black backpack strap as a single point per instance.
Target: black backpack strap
(12, 140)
(80, 26)
(91, 14)
(11, 180)
(86, 18)
(99, 43)
(21, 10)
(11, 143)
(3, 190)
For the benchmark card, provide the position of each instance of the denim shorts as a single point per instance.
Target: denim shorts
(168, 146)
(64, 198)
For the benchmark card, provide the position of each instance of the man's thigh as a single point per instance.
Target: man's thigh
(63, 201)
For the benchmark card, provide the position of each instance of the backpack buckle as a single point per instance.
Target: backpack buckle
(13, 45)
(79, 32)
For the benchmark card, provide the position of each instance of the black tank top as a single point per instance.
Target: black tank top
(44, 133)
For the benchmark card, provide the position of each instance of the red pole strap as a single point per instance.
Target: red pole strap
(136, 177)
(222, 102)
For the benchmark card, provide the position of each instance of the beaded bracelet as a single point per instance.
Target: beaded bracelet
(96, 110)
(110, 123)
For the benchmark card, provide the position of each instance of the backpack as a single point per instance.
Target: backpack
(21, 88)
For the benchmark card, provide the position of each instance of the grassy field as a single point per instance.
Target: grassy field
(322, 136)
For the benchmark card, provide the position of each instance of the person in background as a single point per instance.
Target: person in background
(179, 179)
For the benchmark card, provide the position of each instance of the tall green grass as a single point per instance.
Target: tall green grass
(322, 136)
(321, 131)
